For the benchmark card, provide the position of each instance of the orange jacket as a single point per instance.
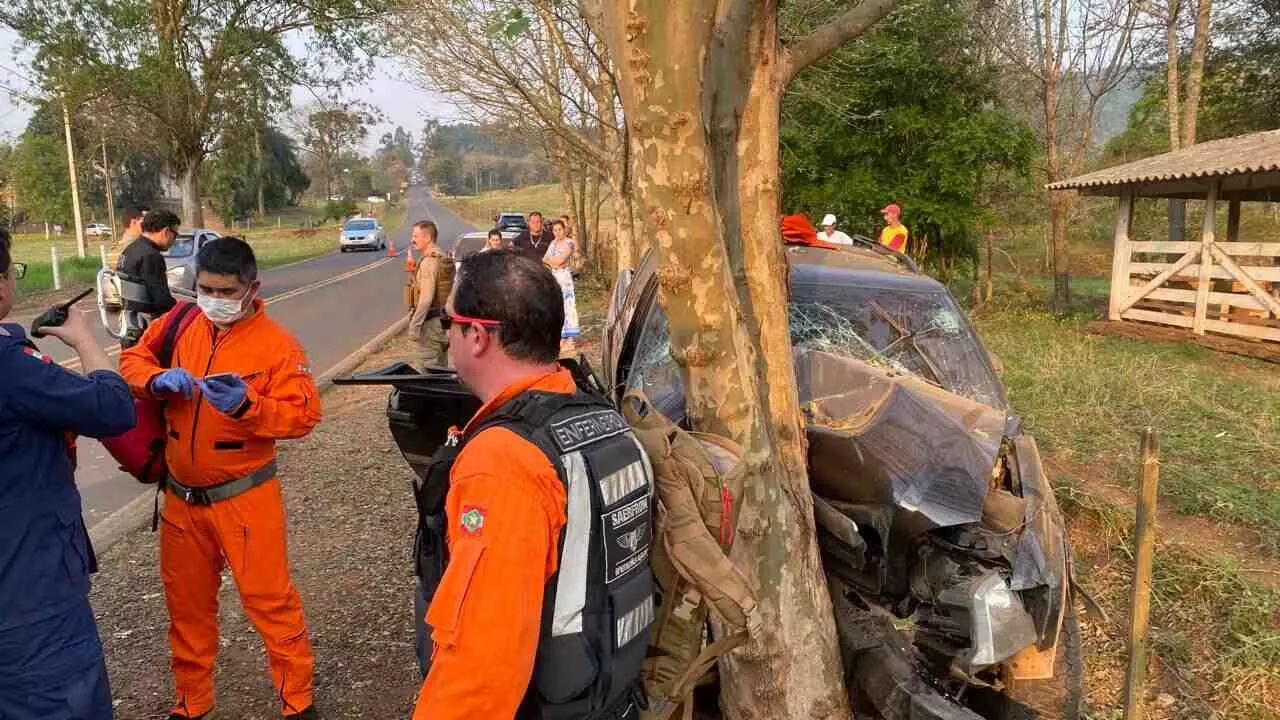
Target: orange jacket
(506, 507)
(206, 447)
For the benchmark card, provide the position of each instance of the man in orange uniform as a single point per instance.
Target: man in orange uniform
(534, 522)
(239, 383)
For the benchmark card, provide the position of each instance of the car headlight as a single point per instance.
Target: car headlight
(1000, 626)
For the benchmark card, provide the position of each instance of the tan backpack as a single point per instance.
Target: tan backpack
(699, 480)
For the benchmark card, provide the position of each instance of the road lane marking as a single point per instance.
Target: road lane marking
(74, 363)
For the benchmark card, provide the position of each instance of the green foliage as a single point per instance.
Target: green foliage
(454, 154)
(40, 177)
(234, 175)
(339, 209)
(907, 114)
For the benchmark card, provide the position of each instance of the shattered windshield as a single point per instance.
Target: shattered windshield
(921, 332)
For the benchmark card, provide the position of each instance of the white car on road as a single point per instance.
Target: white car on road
(97, 230)
(362, 233)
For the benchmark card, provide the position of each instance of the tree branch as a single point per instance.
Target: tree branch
(825, 39)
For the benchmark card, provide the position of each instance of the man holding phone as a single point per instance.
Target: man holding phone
(239, 384)
(51, 664)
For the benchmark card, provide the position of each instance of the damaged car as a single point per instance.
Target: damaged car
(944, 548)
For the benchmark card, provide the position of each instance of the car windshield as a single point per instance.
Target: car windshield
(183, 246)
(359, 225)
(921, 332)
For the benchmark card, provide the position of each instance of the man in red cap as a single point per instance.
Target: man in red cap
(894, 235)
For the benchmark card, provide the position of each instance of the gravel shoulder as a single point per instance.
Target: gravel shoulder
(351, 520)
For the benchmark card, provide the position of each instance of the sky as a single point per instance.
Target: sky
(402, 102)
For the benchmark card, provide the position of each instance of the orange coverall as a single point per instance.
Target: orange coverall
(247, 532)
(506, 506)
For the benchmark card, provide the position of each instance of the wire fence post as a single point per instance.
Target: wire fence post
(102, 252)
(1135, 680)
(57, 279)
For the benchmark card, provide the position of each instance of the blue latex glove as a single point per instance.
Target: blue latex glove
(175, 380)
(225, 393)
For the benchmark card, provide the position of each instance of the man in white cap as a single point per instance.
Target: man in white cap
(831, 234)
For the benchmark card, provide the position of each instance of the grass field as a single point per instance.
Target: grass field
(1216, 602)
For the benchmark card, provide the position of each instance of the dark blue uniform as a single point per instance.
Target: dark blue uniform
(51, 665)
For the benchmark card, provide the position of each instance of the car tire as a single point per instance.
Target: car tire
(1063, 695)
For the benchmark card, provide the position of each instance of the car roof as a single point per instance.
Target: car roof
(864, 266)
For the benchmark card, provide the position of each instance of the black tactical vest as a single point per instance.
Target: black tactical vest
(599, 606)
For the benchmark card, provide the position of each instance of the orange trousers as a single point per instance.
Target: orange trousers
(247, 533)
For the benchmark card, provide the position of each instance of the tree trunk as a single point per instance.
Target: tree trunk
(623, 229)
(793, 669)
(192, 212)
(1059, 206)
(735, 388)
(257, 147)
(1172, 84)
(1195, 73)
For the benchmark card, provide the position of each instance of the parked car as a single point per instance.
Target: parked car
(944, 549)
(97, 230)
(362, 233)
(180, 258)
(468, 244)
(511, 224)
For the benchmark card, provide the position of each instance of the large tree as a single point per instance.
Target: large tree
(702, 84)
(329, 129)
(180, 73)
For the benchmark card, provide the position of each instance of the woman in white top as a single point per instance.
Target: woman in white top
(559, 258)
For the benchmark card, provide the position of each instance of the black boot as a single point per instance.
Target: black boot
(310, 713)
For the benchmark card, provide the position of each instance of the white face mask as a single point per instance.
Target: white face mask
(222, 311)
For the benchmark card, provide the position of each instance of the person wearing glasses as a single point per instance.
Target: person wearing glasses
(51, 664)
(534, 525)
(142, 264)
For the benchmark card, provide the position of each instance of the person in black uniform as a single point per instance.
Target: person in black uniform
(142, 262)
(532, 243)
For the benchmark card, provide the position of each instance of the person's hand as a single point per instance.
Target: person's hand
(75, 332)
(175, 380)
(226, 393)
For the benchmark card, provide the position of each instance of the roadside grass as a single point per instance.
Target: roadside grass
(1215, 635)
(1086, 398)
(480, 210)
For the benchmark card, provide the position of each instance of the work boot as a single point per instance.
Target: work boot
(310, 713)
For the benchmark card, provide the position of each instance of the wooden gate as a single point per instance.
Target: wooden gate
(1227, 287)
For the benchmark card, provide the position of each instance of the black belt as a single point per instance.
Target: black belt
(221, 491)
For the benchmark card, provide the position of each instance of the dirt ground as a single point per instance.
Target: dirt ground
(351, 520)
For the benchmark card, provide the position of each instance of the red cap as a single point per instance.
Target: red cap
(893, 209)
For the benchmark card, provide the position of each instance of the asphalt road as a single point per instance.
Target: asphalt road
(333, 304)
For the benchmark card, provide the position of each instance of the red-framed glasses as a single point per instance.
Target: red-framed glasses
(447, 319)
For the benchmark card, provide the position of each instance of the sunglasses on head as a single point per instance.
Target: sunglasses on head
(447, 319)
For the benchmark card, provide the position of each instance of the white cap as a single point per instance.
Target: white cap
(829, 219)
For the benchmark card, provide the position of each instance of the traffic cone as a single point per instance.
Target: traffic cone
(391, 248)
(409, 263)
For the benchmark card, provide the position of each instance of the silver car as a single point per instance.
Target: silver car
(180, 258)
(362, 233)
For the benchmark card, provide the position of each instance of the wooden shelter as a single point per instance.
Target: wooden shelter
(1224, 286)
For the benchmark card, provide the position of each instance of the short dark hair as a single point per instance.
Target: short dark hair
(228, 256)
(520, 292)
(133, 212)
(535, 213)
(160, 220)
(494, 231)
(5, 259)
(559, 222)
(428, 226)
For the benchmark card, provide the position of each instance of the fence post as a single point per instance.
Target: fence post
(102, 252)
(1140, 614)
(277, 222)
(57, 279)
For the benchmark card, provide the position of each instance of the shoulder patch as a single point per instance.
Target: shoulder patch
(472, 519)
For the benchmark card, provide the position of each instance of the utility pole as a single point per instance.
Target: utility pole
(111, 197)
(75, 182)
